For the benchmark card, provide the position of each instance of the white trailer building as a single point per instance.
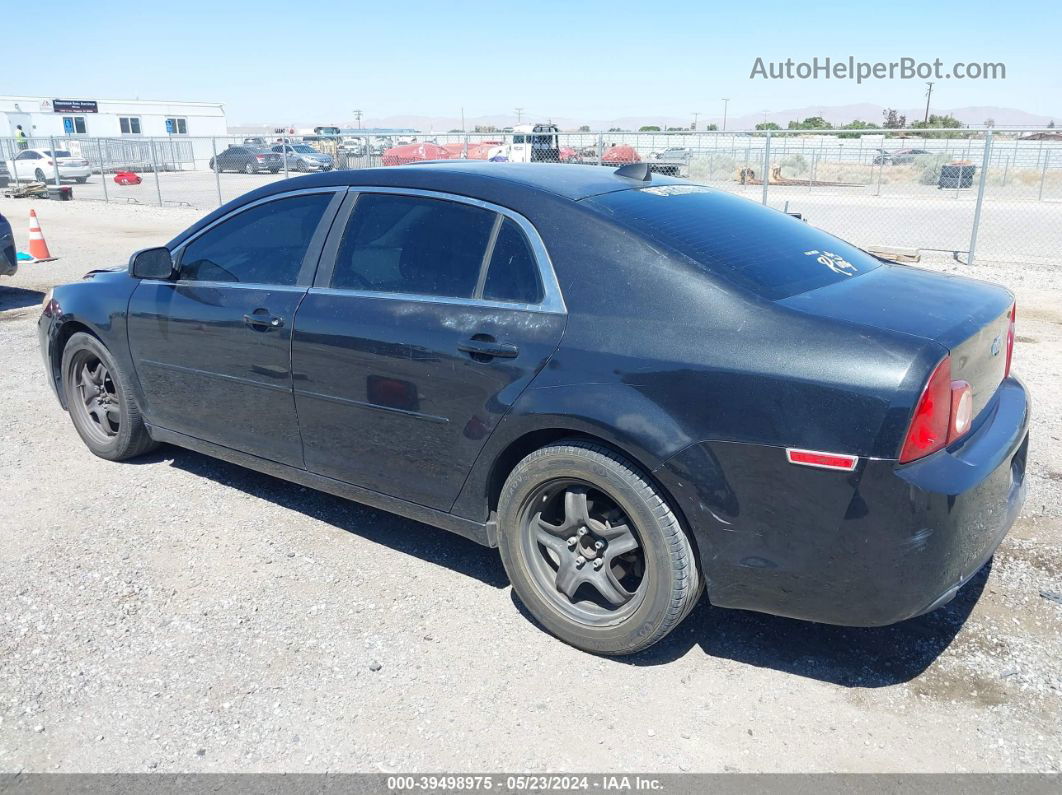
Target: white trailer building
(42, 117)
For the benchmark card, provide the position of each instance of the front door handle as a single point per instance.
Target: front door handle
(483, 346)
(263, 320)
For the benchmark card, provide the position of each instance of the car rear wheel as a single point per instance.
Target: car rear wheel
(81, 180)
(100, 403)
(593, 549)
(250, 168)
(40, 176)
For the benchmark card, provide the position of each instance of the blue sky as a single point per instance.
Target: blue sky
(287, 62)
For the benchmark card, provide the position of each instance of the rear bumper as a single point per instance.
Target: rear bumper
(866, 548)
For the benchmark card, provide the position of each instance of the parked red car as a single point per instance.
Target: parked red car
(127, 178)
(414, 153)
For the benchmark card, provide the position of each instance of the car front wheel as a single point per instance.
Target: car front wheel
(100, 403)
(593, 549)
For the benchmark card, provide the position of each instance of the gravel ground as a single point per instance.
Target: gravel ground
(183, 614)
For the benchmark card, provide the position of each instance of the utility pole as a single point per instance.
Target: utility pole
(696, 113)
(726, 101)
(462, 119)
(929, 93)
(765, 112)
(519, 115)
(357, 116)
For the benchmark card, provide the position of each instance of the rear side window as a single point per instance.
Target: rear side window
(762, 250)
(513, 273)
(413, 245)
(263, 245)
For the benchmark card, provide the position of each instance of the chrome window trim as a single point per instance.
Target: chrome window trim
(552, 300)
(438, 299)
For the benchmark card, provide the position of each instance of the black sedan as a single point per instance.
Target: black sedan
(637, 388)
(248, 159)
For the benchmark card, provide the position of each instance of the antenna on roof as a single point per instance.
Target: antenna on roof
(635, 171)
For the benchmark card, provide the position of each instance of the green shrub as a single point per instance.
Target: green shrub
(930, 167)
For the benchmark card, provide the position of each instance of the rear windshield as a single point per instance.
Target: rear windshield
(770, 253)
(58, 153)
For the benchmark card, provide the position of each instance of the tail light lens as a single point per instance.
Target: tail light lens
(943, 414)
(1010, 339)
(261, 157)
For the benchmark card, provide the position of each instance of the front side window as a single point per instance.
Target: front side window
(413, 245)
(265, 244)
(129, 125)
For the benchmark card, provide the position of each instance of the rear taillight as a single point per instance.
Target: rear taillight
(944, 413)
(1010, 339)
(261, 157)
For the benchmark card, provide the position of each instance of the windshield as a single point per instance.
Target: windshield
(762, 250)
(309, 150)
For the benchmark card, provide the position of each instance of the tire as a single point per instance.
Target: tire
(587, 490)
(111, 427)
(250, 168)
(39, 176)
(80, 180)
(274, 170)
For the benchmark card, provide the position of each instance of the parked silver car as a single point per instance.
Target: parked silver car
(303, 157)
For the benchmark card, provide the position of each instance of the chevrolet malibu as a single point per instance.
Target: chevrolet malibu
(638, 389)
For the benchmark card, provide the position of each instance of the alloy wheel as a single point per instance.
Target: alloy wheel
(99, 405)
(584, 552)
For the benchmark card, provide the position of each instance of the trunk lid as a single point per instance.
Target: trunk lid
(968, 317)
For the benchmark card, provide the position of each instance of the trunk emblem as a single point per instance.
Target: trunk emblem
(997, 344)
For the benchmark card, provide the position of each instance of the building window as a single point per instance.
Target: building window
(130, 125)
(177, 126)
(74, 125)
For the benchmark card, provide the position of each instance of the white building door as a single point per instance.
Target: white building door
(15, 119)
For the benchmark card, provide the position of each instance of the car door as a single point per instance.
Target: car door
(429, 316)
(212, 347)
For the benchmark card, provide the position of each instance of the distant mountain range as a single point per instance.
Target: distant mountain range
(974, 116)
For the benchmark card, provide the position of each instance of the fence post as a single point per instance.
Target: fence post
(284, 149)
(464, 148)
(214, 162)
(103, 170)
(1043, 175)
(55, 164)
(766, 166)
(600, 147)
(155, 168)
(980, 196)
(881, 167)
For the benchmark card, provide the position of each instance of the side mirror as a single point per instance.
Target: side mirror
(151, 263)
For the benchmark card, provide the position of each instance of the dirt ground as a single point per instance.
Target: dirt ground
(182, 614)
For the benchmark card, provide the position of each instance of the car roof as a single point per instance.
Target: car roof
(463, 176)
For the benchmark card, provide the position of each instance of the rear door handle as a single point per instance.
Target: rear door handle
(266, 321)
(486, 345)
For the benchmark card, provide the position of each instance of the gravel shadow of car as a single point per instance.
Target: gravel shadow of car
(848, 656)
(19, 298)
(864, 657)
(403, 535)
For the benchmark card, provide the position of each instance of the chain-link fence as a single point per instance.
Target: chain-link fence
(993, 194)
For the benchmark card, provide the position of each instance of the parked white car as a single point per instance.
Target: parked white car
(38, 165)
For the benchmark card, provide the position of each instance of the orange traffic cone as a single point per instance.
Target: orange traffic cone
(38, 249)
